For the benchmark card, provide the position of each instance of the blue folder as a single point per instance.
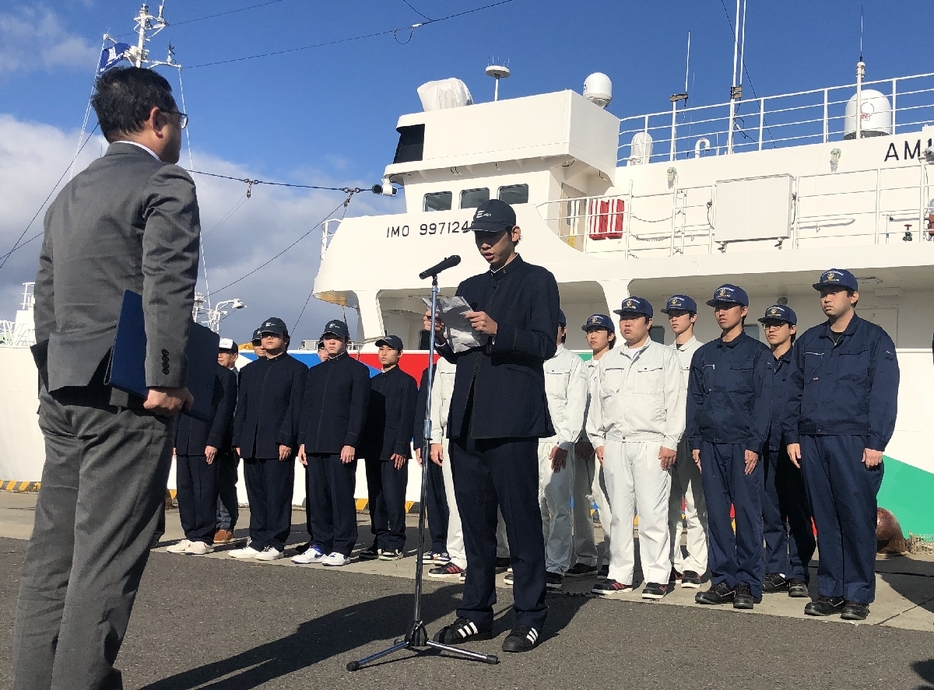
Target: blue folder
(127, 370)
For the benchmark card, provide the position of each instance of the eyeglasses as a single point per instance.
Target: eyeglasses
(182, 118)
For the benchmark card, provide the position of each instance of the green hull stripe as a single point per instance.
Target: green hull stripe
(908, 493)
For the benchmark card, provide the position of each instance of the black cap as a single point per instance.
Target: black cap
(257, 336)
(227, 345)
(562, 319)
(274, 325)
(320, 344)
(336, 327)
(493, 216)
(393, 341)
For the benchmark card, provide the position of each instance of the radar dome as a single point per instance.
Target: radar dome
(875, 113)
(598, 89)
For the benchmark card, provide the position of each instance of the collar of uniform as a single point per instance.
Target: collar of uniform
(276, 358)
(849, 330)
(139, 146)
(507, 269)
(723, 343)
(626, 351)
(785, 358)
(690, 341)
(332, 358)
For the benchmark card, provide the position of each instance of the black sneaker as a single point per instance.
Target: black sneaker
(581, 570)
(674, 577)
(450, 571)
(797, 588)
(462, 630)
(824, 606)
(743, 598)
(604, 570)
(502, 565)
(370, 553)
(394, 555)
(521, 639)
(774, 582)
(690, 580)
(610, 588)
(854, 612)
(554, 581)
(654, 590)
(719, 593)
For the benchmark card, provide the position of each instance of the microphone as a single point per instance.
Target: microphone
(449, 262)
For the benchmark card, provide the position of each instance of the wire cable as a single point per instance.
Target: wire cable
(338, 41)
(248, 181)
(421, 14)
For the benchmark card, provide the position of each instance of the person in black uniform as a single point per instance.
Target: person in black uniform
(498, 413)
(257, 343)
(728, 415)
(329, 427)
(436, 502)
(227, 459)
(386, 448)
(198, 447)
(268, 404)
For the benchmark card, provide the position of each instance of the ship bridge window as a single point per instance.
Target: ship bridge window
(438, 201)
(411, 144)
(514, 194)
(471, 198)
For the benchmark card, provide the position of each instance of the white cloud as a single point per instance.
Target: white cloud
(32, 156)
(34, 38)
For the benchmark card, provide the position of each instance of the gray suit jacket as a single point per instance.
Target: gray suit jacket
(129, 221)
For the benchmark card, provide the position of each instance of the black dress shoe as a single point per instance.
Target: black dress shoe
(824, 606)
(774, 582)
(521, 639)
(743, 598)
(854, 612)
(797, 588)
(719, 593)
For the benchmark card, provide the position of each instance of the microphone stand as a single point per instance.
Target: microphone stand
(417, 639)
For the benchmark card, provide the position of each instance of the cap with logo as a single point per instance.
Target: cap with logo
(780, 312)
(680, 303)
(275, 326)
(635, 306)
(336, 327)
(595, 321)
(837, 277)
(257, 336)
(562, 319)
(393, 341)
(493, 216)
(227, 345)
(729, 294)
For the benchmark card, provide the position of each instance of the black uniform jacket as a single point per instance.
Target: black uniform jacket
(192, 436)
(334, 406)
(390, 415)
(268, 404)
(418, 431)
(504, 377)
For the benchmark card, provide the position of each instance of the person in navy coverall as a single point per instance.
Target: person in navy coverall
(786, 515)
(839, 417)
(330, 426)
(199, 447)
(498, 413)
(386, 448)
(728, 414)
(268, 403)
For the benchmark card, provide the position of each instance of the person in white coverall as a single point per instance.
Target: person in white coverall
(686, 488)
(636, 419)
(566, 392)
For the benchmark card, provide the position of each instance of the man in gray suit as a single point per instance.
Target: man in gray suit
(129, 221)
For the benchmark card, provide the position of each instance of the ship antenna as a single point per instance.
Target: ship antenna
(860, 33)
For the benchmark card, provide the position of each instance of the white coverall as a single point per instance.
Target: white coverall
(566, 392)
(638, 406)
(686, 486)
(441, 392)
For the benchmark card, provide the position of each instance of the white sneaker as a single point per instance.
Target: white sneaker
(179, 547)
(270, 553)
(335, 559)
(199, 548)
(242, 554)
(312, 555)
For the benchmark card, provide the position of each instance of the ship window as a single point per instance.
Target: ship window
(752, 330)
(411, 144)
(514, 194)
(657, 334)
(471, 198)
(438, 201)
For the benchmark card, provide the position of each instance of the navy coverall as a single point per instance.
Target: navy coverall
(728, 413)
(841, 400)
(332, 416)
(196, 480)
(268, 403)
(388, 431)
(498, 413)
(786, 515)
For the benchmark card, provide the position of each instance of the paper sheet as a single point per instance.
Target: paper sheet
(458, 332)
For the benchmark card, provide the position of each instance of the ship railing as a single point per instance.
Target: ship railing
(803, 117)
(328, 228)
(871, 210)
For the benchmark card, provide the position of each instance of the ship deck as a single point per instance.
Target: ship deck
(211, 622)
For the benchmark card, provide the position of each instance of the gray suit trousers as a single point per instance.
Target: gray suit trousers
(102, 487)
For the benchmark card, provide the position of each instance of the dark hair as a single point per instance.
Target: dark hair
(124, 97)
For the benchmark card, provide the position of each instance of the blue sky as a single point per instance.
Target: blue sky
(327, 115)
